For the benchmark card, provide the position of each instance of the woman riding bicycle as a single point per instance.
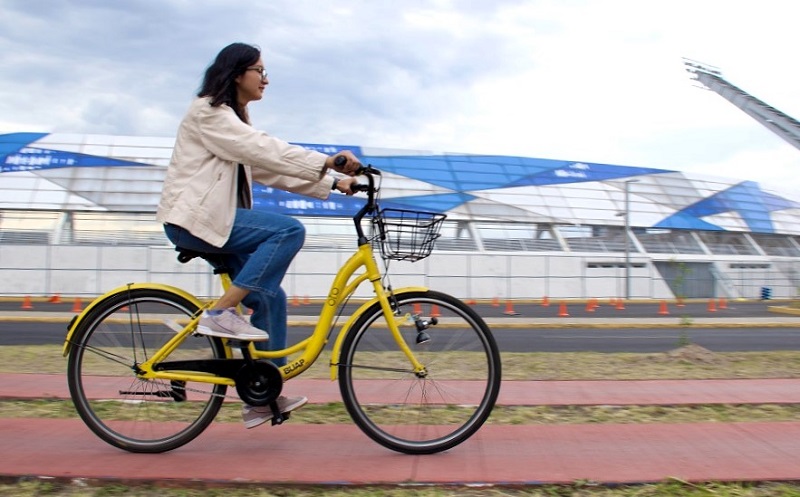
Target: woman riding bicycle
(206, 203)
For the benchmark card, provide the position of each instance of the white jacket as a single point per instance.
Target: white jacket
(199, 192)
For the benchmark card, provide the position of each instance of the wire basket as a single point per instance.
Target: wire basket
(405, 235)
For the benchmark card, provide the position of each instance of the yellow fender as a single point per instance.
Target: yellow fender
(337, 346)
(123, 289)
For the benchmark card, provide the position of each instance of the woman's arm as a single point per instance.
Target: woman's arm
(227, 137)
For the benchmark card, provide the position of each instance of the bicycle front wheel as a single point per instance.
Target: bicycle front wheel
(126, 411)
(420, 412)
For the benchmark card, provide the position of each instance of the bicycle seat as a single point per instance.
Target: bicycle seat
(217, 261)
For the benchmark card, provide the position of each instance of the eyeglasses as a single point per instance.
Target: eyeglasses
(259, 69)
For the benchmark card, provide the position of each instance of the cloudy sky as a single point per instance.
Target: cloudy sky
(585, 80)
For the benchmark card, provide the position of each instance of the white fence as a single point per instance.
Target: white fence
(87, 271)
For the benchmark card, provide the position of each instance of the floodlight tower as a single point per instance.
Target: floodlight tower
(710, 77)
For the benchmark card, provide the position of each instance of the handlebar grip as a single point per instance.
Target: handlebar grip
(341, 160)
(358, 187)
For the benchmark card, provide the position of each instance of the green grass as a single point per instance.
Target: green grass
(690, 362)
(335, 413)
(578, 489)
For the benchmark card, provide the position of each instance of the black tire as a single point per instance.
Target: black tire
(127, 412)
(420, 414)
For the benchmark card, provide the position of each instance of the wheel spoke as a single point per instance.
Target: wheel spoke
(378, 368)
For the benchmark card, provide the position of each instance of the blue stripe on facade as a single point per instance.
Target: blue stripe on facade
(460, 174)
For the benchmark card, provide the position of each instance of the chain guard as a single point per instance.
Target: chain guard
(258, 383)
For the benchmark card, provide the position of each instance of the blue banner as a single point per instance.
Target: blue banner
(331, 149)
(270, 199)
(31, 159)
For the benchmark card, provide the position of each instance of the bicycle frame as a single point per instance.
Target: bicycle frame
(343, 286)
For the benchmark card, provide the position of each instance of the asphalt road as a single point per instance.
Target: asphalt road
(533, 339)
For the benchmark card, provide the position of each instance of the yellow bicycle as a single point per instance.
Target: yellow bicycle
(419, 370)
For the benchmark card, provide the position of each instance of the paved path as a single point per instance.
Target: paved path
(295, 453)
(340, 454)
(498, 454)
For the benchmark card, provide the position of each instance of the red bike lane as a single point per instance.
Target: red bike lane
(496, 455)
(342, 455)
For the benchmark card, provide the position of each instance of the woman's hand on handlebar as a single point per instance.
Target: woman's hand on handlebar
(347, 185)
(344, 162)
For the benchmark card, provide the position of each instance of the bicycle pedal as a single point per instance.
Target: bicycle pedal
(278, 420)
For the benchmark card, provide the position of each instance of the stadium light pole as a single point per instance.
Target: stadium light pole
(627, 238)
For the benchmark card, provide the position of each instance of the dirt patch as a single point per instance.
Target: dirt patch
(693, 354)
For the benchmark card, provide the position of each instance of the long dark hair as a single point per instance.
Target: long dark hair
(219, 82)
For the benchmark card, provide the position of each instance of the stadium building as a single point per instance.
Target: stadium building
(77, 218)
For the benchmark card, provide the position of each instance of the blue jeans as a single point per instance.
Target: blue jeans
(258, 252)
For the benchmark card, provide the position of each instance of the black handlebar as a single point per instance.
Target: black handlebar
(358, 187)
(341, 160)
(371, 204)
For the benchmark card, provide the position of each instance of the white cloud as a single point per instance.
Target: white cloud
(587, 80)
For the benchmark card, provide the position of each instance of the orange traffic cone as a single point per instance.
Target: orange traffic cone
(510, 309)
(620, 305)
(711, 306)
(435, 311)
(723, 304)
(562, 310)
(295, 301)
(496, 302)
(77, 306)
(26, 303)
(546, 301)
(662, 309)
(417, 308)
(55, 299)
(471, 302)
(591, 305)
(306, 300)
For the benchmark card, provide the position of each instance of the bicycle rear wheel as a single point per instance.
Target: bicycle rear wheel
(429, 412)
(126, 411)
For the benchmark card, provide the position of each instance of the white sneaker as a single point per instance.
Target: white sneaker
(256, 415)
(229, 324)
